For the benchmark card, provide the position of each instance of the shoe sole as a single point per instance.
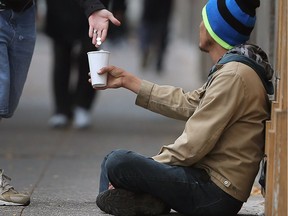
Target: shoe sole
(121, 202)
(5, 203)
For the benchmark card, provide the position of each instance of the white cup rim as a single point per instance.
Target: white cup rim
(98, 51)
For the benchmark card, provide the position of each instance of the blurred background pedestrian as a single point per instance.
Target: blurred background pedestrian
(154, 32)
(117, 34)
(67, 26)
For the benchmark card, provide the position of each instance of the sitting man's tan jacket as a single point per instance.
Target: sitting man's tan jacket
(225, 128)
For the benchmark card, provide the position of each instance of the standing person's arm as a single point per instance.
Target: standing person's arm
(98, 18)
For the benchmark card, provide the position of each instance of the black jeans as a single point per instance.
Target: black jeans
(187, 190)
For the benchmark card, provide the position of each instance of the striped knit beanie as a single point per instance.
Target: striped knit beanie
(230, 22)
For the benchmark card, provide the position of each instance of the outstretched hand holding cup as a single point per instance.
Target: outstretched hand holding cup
(98, 60)
(118, 77)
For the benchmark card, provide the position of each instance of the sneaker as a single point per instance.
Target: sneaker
(82, 118)
(58, 121)
(8, 195)
(121, 202)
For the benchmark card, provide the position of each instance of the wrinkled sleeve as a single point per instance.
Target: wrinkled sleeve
(90, 6)
(205, 126)
(168, 100)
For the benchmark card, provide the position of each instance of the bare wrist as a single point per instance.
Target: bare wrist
(132, 83)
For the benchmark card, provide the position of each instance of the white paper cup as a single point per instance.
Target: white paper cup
(98, 60)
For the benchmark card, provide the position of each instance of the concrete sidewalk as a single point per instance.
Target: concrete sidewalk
(60, 168)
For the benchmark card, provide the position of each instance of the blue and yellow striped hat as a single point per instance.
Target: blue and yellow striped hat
(230, 22)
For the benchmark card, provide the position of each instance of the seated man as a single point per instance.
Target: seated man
(210, 169)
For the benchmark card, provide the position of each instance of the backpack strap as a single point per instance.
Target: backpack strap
(247, 61)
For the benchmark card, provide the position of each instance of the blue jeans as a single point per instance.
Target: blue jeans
(17, 41)
(187, 190)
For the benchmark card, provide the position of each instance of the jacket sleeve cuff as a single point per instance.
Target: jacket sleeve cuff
(144, 94)
(90, 6)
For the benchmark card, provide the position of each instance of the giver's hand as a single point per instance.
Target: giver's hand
(117, 77)
(99, 23)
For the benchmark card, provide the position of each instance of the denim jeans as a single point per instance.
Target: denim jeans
(187, 190)
(17, 41)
